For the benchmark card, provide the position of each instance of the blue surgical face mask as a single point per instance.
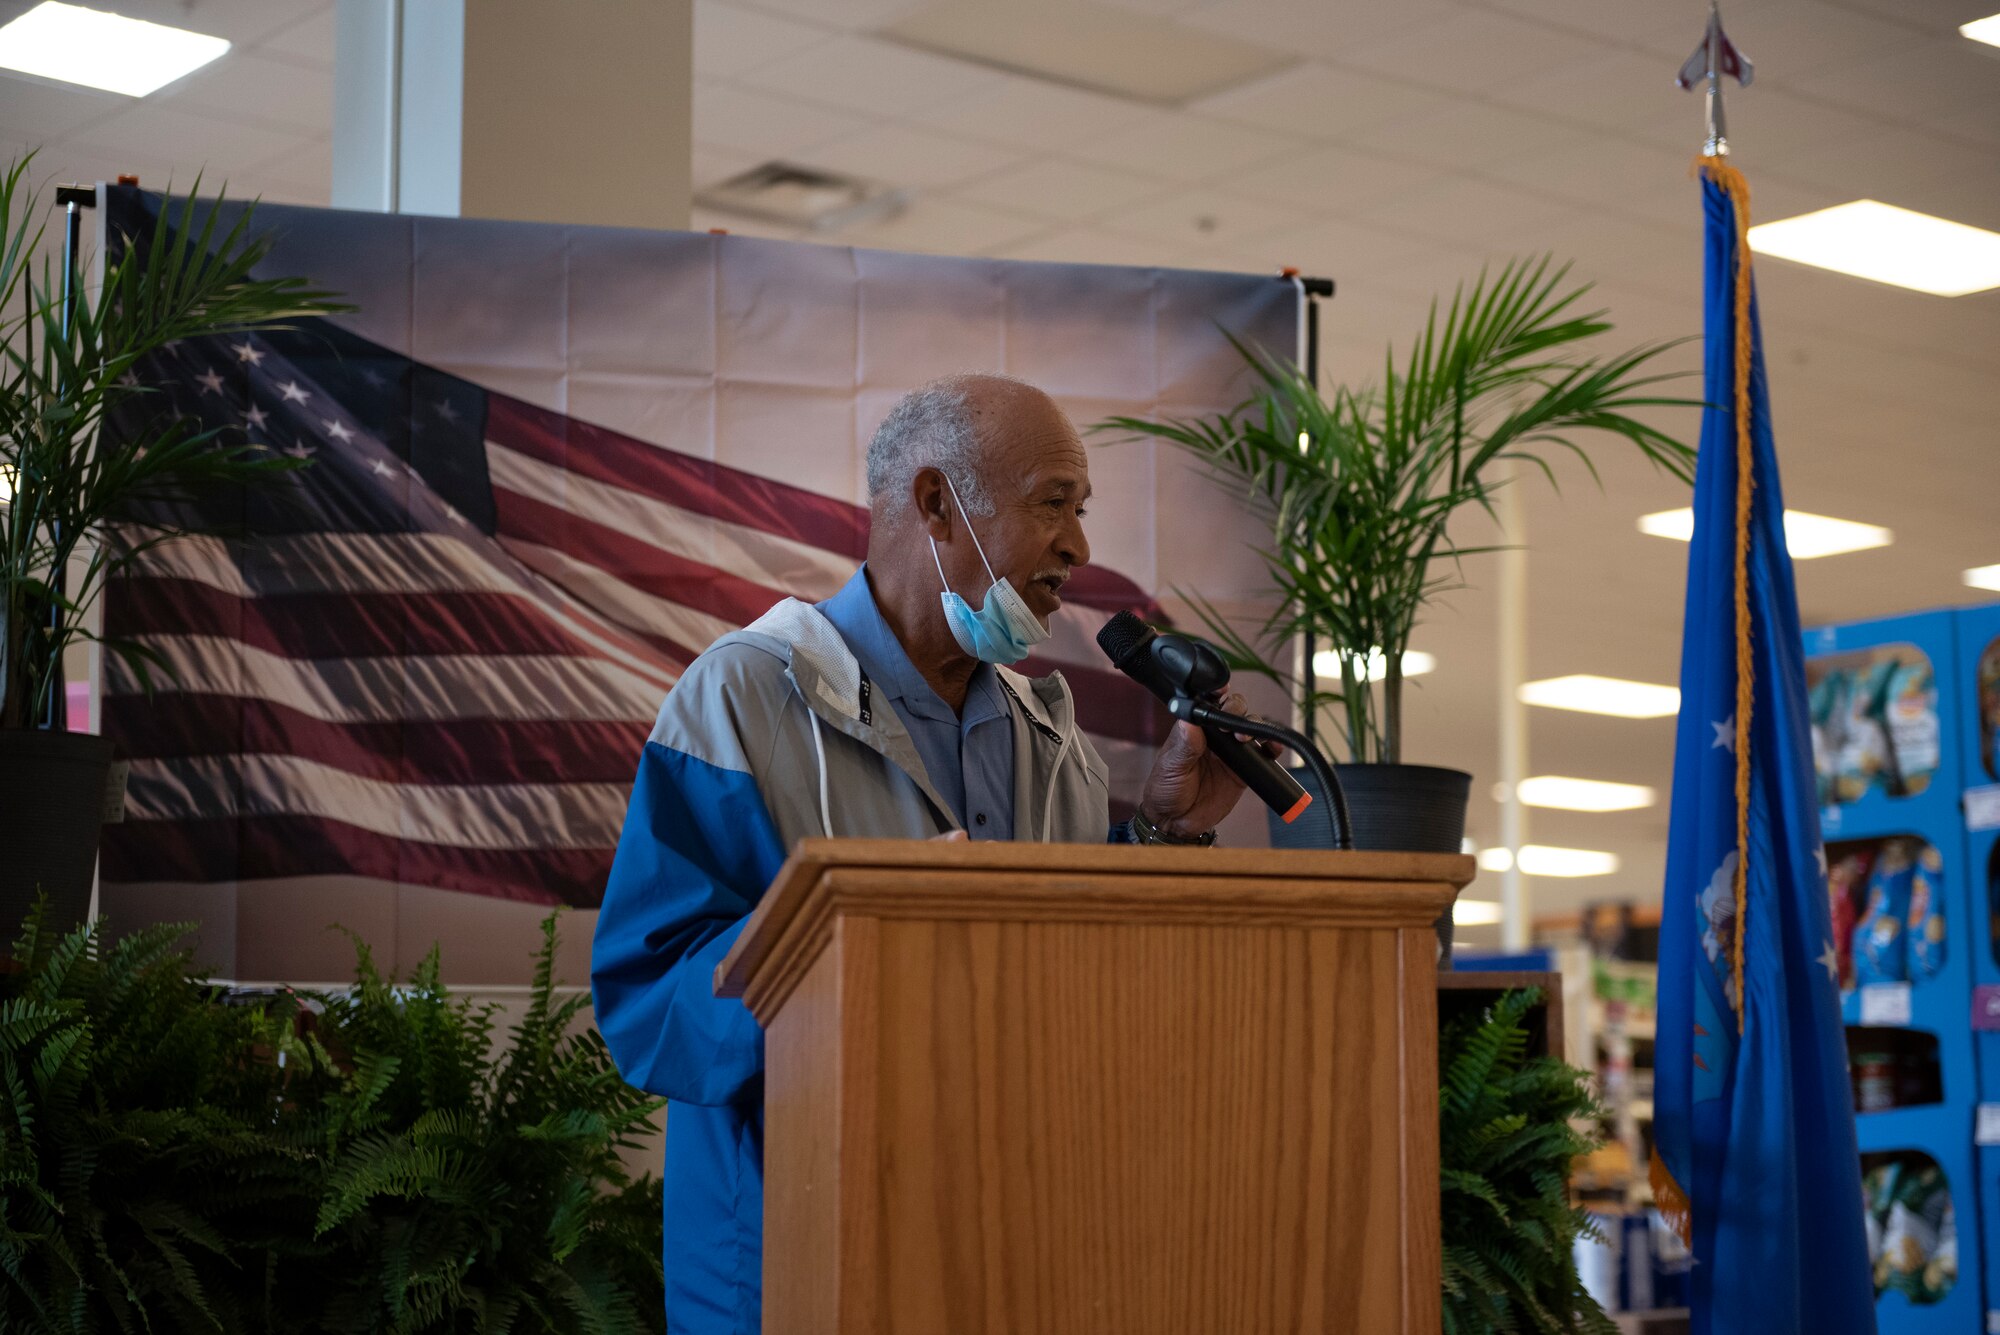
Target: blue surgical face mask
(1003, 630)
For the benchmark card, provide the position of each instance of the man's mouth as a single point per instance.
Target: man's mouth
(1053, 584)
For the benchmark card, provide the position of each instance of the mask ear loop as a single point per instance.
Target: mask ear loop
(976, 545)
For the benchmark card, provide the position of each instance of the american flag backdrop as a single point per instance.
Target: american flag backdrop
(431, 657)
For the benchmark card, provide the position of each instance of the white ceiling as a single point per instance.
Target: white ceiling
(1413, 141)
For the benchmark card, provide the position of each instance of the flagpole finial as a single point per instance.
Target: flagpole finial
(1712, 61)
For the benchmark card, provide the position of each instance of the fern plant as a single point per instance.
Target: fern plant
(475, 1196)
(1506, 1139)
(357, 1162)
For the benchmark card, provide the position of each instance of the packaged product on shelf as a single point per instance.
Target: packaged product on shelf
(1909, 710)
(1880, 948)
(1878, 1187)
(1927, 924)
(1845, 882)
(1864, 754)
(1876, 1083)
(1827, 703)
(1919, 1257)
(1989, 708)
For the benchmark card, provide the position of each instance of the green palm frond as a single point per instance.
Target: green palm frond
(1359, 486)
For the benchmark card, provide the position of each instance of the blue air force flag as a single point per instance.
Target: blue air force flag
(1755, 1156)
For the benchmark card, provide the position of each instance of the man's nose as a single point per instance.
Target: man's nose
(1071, 545)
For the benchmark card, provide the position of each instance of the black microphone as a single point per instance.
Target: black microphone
(1128, 643)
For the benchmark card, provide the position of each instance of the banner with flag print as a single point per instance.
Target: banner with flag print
(1755, 1157)
(430, 658)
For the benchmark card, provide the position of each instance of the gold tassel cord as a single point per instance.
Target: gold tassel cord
(1669, 1197)
(1738, 189)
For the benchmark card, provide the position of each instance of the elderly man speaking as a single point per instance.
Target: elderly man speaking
(887, 711)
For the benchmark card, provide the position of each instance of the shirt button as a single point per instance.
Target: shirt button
(980, 819)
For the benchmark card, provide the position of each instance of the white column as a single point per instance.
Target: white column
(1516, 927)
(575, 112)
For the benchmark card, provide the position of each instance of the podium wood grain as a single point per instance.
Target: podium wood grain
(1035, 1090)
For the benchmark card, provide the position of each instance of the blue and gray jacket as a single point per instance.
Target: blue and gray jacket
(769, 737)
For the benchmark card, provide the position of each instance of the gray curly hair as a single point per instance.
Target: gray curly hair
(931, 427)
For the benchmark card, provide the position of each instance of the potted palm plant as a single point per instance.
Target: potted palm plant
(1360, 485)
(72, 358)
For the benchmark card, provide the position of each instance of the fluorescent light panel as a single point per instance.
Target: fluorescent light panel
(1985, 30)
(1326, 663)
(1983, 577)
(1475, 912)
(1877, 241)
(1541, 860)
(1564, 794)
(1806, 535)
(1603, 695)
(100, 50)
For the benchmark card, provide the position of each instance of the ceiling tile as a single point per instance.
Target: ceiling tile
(1468, 134)
(847, 15)
(258, 89)
(1620, 91)
(1472, 51)
(242, 21)
(1338, 182)
(900, 155)
(1787, 41)
(191, 142)
(1084, 245)
(1063, 191)
(1665, 29)
(868, 75)
(1203, 218)
(732, 39)
(1322, 101)
(709, 164)
(1031, 114)
(33, 110)
(1462, 209)
(309, 41)
(1923, 81)
(1340, 250)
(1184, 148)
(1325, 29)
(764, 124)
(945, 226)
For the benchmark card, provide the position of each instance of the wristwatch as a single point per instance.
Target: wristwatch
(1145, 832)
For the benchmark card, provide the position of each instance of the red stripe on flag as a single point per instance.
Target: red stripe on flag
(254, 847)
(448, 751)
(675, 579)
(680, 479)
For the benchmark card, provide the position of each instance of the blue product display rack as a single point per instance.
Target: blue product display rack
(1979, 627)
(1938, 1004)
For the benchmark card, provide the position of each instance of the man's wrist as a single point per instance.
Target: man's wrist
(1146, 830)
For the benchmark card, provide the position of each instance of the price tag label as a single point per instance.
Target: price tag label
(1885, 1003)
(1982, 807)
(1986, 1124)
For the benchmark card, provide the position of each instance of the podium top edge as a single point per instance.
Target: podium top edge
(1260, 882)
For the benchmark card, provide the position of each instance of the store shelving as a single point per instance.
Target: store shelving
(1896, 777)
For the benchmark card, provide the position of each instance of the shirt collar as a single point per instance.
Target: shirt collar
(859, 620)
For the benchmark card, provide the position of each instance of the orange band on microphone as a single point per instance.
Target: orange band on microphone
(1305, 800)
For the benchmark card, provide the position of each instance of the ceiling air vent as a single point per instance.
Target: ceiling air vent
(804, 197)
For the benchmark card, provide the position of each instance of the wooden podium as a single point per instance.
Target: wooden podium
(1034, 1089)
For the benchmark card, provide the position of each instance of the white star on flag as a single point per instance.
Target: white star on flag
(446, 411)
(1725, 735)
(301, 450)
(292, 392)
(381, 468)
(129, 381)
(451, 513)
(246, 351)
(1831, 959)
(338, 430)
(253, 417)
(211, 383)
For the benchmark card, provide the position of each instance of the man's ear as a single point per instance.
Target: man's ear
(931, 499)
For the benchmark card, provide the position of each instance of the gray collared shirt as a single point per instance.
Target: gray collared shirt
(968, 758)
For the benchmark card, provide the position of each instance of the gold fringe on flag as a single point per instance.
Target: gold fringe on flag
(1737, 188)
(1671, 1201)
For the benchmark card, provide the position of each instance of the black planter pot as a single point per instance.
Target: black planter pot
(51, 809)
(1398, 808)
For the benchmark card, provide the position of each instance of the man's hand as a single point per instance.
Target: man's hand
(1190, 791)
